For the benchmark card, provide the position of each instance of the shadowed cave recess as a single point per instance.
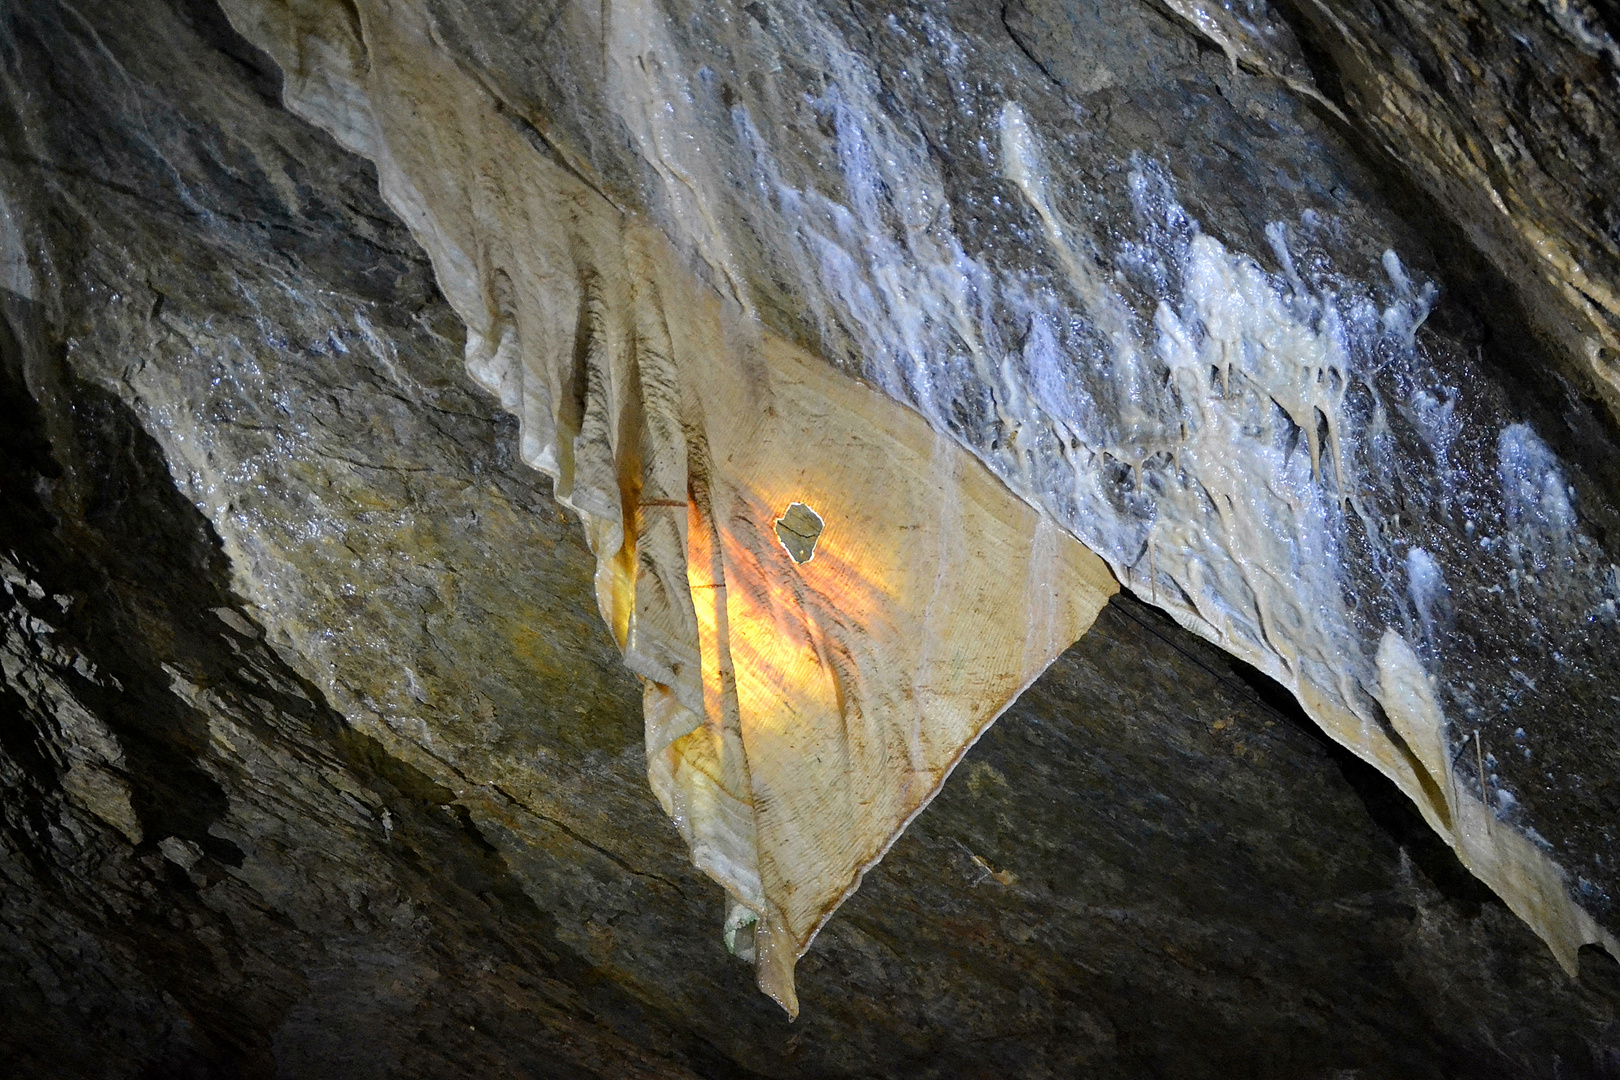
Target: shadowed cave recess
(333, 745)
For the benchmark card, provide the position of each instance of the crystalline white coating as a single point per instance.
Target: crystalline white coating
(1265, 454)
(16, 274)
(1202, 442)
(1427, 587)
(1541, 522)
(1205, 451)
(1154, 445)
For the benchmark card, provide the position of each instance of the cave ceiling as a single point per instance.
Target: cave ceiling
(1052, 539)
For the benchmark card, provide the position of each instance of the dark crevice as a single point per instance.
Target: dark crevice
(258, 72)
(1023, 47)
(1387, 806)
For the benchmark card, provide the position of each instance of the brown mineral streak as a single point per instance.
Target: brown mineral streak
(798, 716)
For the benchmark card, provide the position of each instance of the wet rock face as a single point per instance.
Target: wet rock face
(317, 760)
(1506, 114)
(1223, 325)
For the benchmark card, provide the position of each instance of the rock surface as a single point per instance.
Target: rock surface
(303, 780)
(1290, 462)
(800, 711)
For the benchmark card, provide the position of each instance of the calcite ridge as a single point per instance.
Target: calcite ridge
(1151, 408)
(799, 710)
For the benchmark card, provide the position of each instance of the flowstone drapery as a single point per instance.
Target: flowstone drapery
(647, 306)
(799, 710)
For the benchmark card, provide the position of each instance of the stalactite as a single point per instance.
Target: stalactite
(1140, 388)
(799, 712)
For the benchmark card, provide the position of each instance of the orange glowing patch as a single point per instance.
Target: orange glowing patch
(807, 686)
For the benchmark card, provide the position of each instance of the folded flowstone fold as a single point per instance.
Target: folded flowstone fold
(828, 594)
(802, 704)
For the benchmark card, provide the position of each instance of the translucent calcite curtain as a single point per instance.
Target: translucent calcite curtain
(798, 714)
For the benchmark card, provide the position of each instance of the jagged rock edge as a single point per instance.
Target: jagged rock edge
(1531, 884)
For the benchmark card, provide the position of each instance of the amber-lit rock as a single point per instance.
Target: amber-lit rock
(319, 759)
